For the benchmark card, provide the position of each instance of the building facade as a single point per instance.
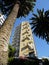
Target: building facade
(2, 19)
(23, 41)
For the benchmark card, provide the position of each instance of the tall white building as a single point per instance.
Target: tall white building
(23, 41)
(2, 19)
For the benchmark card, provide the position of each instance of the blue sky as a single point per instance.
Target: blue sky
(41, 45)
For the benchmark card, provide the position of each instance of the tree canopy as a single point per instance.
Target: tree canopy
(25, 6)
(40, 24)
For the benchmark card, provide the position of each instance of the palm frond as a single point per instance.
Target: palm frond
(25, 6)
(40, 24)
(35, 15)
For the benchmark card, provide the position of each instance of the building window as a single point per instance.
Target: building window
(25, 27)
(24, 48)
(25, 32)
(24, 24)
(31, 54)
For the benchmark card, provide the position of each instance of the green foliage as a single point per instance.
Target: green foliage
(45, 61)
(25, 6)
(18, 61)
(12, 51)
(25, 62)
(10, 59)
(40, 24)
(11, 54)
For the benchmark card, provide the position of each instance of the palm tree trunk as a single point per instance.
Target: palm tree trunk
(5, 32)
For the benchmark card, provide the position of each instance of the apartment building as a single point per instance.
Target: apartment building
(23, 41)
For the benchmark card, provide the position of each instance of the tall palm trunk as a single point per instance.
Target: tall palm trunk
(5, 32)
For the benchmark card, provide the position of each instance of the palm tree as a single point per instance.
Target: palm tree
(40, 24)
(13, 9)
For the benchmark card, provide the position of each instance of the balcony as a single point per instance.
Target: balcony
(25, 32)
(26, 38)
(24, 24)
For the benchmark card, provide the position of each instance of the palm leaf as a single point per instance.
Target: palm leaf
(25, 6)
(40, 24)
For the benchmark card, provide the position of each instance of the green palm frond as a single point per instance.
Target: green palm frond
(40, 24)
(25, 6)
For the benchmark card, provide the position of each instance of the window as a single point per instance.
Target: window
(25, 32)
(24, 24)
(29, 35)
(31, 54)
(24, 48)
(24, 28)
(26, 38)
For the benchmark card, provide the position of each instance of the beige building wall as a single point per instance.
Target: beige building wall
(26, 40)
